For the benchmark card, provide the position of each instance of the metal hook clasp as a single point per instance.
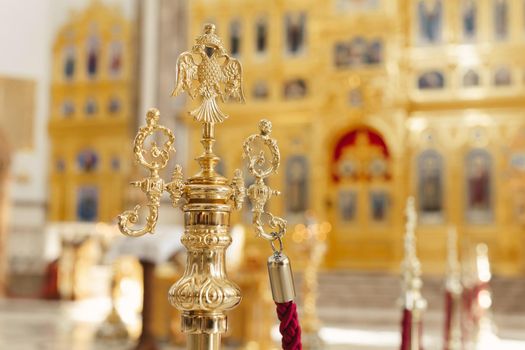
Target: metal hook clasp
(279, 250)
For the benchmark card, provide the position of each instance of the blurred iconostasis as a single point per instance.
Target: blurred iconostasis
(371, 100)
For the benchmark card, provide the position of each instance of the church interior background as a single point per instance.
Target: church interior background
(372, 102)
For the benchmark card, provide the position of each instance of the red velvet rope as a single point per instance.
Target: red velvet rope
(289, 327)
(406, 330)
(449, 305)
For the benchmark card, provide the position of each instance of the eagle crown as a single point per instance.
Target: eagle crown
(215, 77)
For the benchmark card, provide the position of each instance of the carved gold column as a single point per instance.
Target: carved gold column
(204, 293)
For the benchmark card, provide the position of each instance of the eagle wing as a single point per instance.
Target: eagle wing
(186, 73)
(232, 71)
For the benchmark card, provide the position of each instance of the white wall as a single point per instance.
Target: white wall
(27, 31)
(24, 44)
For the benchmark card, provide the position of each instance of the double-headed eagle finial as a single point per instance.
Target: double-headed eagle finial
(209, 72)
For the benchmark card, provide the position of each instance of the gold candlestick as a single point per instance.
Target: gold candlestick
(204, 293)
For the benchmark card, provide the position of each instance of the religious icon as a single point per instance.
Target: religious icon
(516, 174)
(90, 107)
(261, 35)
(87, 160)
(115, 163)
(378, 205)
(355, 98)
(297, 184)
(295, 35)
(346, 168)
(502, 77)
(87, 203)
(341, 54)
(378, 166)
(93, 47)
(430, 183)
(60, 165)
(68, 108)
(471, 78)
(353, 6)
(519, 206)
(517, 161)
(469, 19)
(235, 37)
(501, 19)
(114, 105)
(357, 52)
(295, 89)
(431, 80)
(478, 164)
(347, 205)
(115, 58)
(69, 62)
(260, 90)
(430, 20)
(374, 54)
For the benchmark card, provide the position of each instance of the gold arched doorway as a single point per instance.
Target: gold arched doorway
(361, 186)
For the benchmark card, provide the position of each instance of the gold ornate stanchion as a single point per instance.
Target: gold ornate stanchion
(310, 322)
(312, 238)
(453, 290)
(204, 293)
(413, 302)
(484, 337)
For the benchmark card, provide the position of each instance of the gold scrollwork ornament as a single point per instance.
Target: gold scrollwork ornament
(260, 167)
(153, 185)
